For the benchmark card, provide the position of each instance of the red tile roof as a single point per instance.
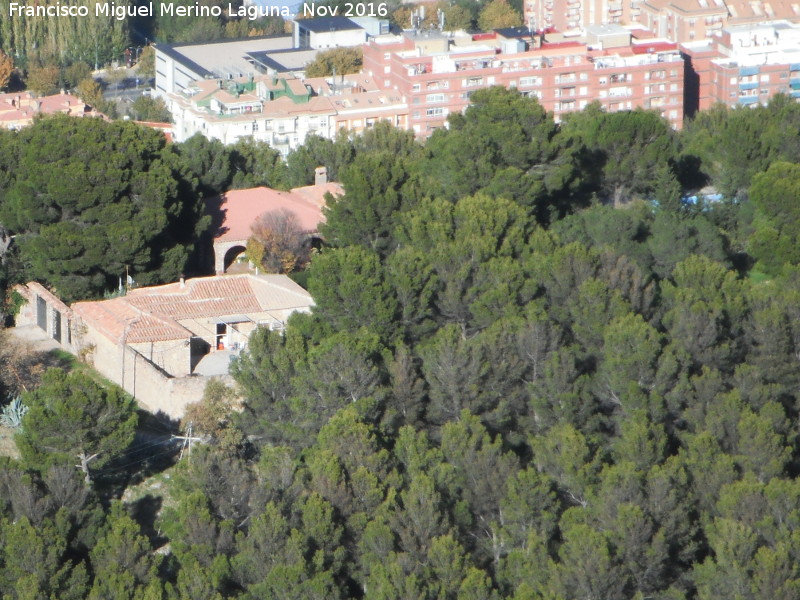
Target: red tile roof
(235, 212)
(19, 108)
(153, 314)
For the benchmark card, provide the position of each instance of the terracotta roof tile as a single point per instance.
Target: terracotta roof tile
(234, 213)
(154, 313)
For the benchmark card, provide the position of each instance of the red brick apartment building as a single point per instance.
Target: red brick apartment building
(676, 20)
(437, 75)
(566, 15)
(745, 65)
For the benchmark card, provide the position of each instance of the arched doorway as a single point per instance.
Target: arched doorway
(231, 256)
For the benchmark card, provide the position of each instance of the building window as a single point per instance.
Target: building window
(415, 87)
(434, 98)
(434, 112)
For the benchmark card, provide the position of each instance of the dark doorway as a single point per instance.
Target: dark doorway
(41, 312)
(57, 326)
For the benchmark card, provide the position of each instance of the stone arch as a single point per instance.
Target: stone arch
(230, 255)
(222, 250)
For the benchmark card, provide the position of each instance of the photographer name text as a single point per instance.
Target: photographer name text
(252, 12)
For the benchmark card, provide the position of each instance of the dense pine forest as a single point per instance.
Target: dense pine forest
(542, 365)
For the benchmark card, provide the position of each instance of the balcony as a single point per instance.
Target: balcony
(619, 92)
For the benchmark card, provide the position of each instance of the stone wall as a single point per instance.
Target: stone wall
(172, 356)
(154, 388)
(56, 318)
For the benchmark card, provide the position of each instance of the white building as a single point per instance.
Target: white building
(281, 110)
(327, 32)
(179, 65)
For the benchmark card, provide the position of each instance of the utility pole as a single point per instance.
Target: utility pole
(187, 442)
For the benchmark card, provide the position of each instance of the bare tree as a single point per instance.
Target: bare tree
(278, 243)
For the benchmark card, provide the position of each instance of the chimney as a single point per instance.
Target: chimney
(183, 281)
(320, 176)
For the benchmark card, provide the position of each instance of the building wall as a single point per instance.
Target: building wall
(358, 120)
(335, 39)
(736, 85)
(57, 318)
(284, 133)
(154, 389)
(172, 356)
(566, 15)
(679, 26)
(563, 79)
(171, 76)
(746, 65)
(159, 393)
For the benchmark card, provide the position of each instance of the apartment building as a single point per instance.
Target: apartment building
(438, 75)
(689, 20)
(746, 65)
(179, 65)
(569, 15)
(676, 20)
(281, 110)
